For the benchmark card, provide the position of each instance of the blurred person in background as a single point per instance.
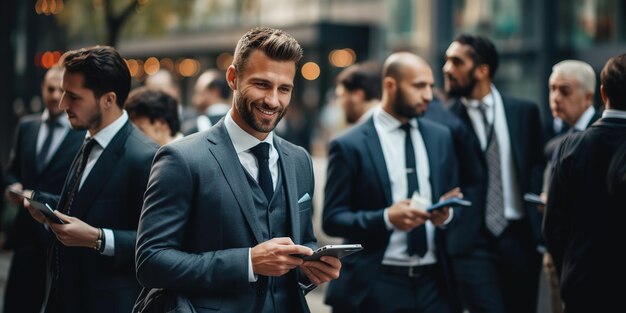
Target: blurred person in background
(211, 96)
(572, 87)
(155, 113)
(41, 156)
(494, 244)
(587, 253)
(358, 90)
(228, 210)
(373, 170)
(91, 262)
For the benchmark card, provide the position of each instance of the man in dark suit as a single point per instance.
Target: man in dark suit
(210, 98)
(494, 244)
(373, 169)
(228, 210)
(586, 253)
(572, 87)
(40, 159)
(91, 263)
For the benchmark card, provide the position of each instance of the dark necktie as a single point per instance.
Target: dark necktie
(416, 238)
(78, 167)
(494, 211)
(262, 154)
(45, 148)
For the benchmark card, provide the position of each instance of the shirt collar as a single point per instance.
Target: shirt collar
(488, 99)
(242, 141)
(613, 113)
(105, 135)
(584, 119)
(389, 123)
(61, 119)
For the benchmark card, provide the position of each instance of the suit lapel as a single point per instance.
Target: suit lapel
(431, 145)
(289, 177)
(515, 131)
(224, 152)
(461, 111)
(372, 142)
(101, 172)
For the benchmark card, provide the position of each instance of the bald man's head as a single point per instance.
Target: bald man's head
(407, 85)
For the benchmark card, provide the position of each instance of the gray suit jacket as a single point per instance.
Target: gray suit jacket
(199, 220)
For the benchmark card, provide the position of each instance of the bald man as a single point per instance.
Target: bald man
(374, 168)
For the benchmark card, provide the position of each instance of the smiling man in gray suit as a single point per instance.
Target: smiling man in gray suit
(227, 209)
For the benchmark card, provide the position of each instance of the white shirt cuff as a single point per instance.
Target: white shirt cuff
(387, 221)
(109, 242)
(251, 276)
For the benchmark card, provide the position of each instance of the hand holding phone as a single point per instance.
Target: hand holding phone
(337, 251)
(454, 201)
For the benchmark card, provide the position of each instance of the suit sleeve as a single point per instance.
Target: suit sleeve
(341, 218)
(161, 261)
(13, 169)
(556, 216)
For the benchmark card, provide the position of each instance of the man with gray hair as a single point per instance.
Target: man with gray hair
(572, 87)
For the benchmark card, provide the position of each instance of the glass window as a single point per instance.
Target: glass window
(498, 19)
(593, 22)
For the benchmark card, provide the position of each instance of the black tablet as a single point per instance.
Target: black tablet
(46, 210)
(455, 201)
(337, 251)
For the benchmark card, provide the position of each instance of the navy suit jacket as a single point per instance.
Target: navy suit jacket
(111, 197)
(525, 136)
(357, 192)
(199, 221)
(30, 241)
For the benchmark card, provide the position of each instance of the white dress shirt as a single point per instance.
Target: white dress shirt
(513, 207)
(57, 137)
(585, 118)
(103, 138)
(243, 142)
(612, 113)
(392, 139)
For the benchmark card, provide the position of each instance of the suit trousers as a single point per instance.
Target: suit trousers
(403, 294)
(500, 274)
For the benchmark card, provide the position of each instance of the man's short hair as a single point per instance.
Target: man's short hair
(275, 43)
(581, 71)
(154, 104)
(365, 76)
(103, 68)
(613, 78)
(482, 51)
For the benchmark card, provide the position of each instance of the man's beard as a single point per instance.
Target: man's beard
(94, 121)
(462, 91)
(402, 108)
(244, 108)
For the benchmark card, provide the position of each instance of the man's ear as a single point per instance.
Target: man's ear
(108, 100)
(231, 77)
(389, 84)
(481, 72)
(604, 97)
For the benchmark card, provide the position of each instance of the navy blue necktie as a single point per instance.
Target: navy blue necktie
(416, 238)
(45, 148)
(262, 154)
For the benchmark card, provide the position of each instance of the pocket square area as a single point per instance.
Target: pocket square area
(304, 198)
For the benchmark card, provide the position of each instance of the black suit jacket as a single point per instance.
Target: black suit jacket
(525, 136)
(26, 281)
(357, 192)
(553, 143)
(199, 221)
(583, 224)
(111, 197)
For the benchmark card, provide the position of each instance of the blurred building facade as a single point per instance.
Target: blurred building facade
(531, 35)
